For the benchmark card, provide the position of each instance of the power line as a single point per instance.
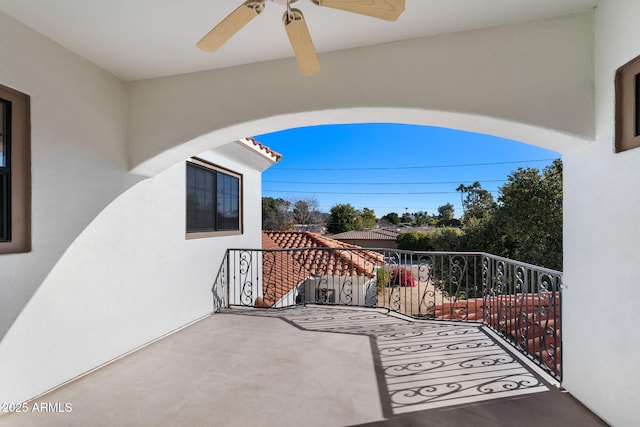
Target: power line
(398, 209)
(367, 193)
(276, 168)
(379, 183)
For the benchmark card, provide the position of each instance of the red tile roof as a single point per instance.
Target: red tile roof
(263, 147)
(322, 262)
(519, 317)
(283, 270)
(280, 273)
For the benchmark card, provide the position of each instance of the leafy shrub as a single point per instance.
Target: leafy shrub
(453, 222)
(446, 239)
(414, 241)
(383, 278)
(402, 277)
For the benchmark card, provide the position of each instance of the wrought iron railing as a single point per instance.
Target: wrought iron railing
(519, 301)
(220, 289)
(522, 303)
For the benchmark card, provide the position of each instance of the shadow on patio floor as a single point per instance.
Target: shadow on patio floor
(447, 374)
(314, 366)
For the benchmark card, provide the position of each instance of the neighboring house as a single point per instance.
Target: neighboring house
(320, 228)
(377, 238)
(103, 263)
(293, 271)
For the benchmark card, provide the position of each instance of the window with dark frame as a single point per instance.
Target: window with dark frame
(15, 172)
(627, 84)
(5, 171)
(637, 106)
(213, 199)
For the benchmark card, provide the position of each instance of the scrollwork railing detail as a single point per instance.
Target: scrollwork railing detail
(521, 302)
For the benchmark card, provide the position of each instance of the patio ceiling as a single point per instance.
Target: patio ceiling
(151, 38)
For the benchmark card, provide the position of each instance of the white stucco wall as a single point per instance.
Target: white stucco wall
(130, 277)
(79, 152)
(110, 268)
(82, 300)
(602, 241)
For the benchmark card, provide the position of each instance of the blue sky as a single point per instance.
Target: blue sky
(390, 167)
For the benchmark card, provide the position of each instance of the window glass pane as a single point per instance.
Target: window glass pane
(3, 148)
(15, 172)
(213, 200)
(200, 203)
(4, 174)
(4, 208)
(637, 104)
(228, 202)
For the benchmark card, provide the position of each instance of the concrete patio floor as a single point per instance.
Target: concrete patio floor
(314, 366)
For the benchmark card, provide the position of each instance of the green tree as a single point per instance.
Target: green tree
(478, 202)
(445, 212)
(368, 219)
(305, 212)
(446, 239)
(445, 217)
(392, 217)
(275, 214)
(420, 219)
(343, 217)
(526, 223)
(530, 216)
(301, 212)
(481, 235)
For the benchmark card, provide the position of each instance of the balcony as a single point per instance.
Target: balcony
(519, 302)
(344, 337)
(315, 365)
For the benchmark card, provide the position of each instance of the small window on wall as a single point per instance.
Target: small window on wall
(15, 172)
(213, 200)
(628, 106)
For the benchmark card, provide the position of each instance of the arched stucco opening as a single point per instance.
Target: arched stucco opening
(527, 82)
(525, 133)
(126, 254)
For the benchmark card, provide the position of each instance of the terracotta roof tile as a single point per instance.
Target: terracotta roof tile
(518, 317)
(280, 273)
(263, 147)
(283, 270)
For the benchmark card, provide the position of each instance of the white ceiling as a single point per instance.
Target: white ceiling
(138, 39)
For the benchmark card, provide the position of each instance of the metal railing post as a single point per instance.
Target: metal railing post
(228, 290)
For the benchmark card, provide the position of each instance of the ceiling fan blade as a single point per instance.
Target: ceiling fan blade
(230, 25)
(301, 42)
(383, 9)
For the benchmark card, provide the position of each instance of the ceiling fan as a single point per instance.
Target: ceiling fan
(295, 25)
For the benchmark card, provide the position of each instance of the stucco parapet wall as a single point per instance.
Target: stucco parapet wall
(537, 74)
(242, 151)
